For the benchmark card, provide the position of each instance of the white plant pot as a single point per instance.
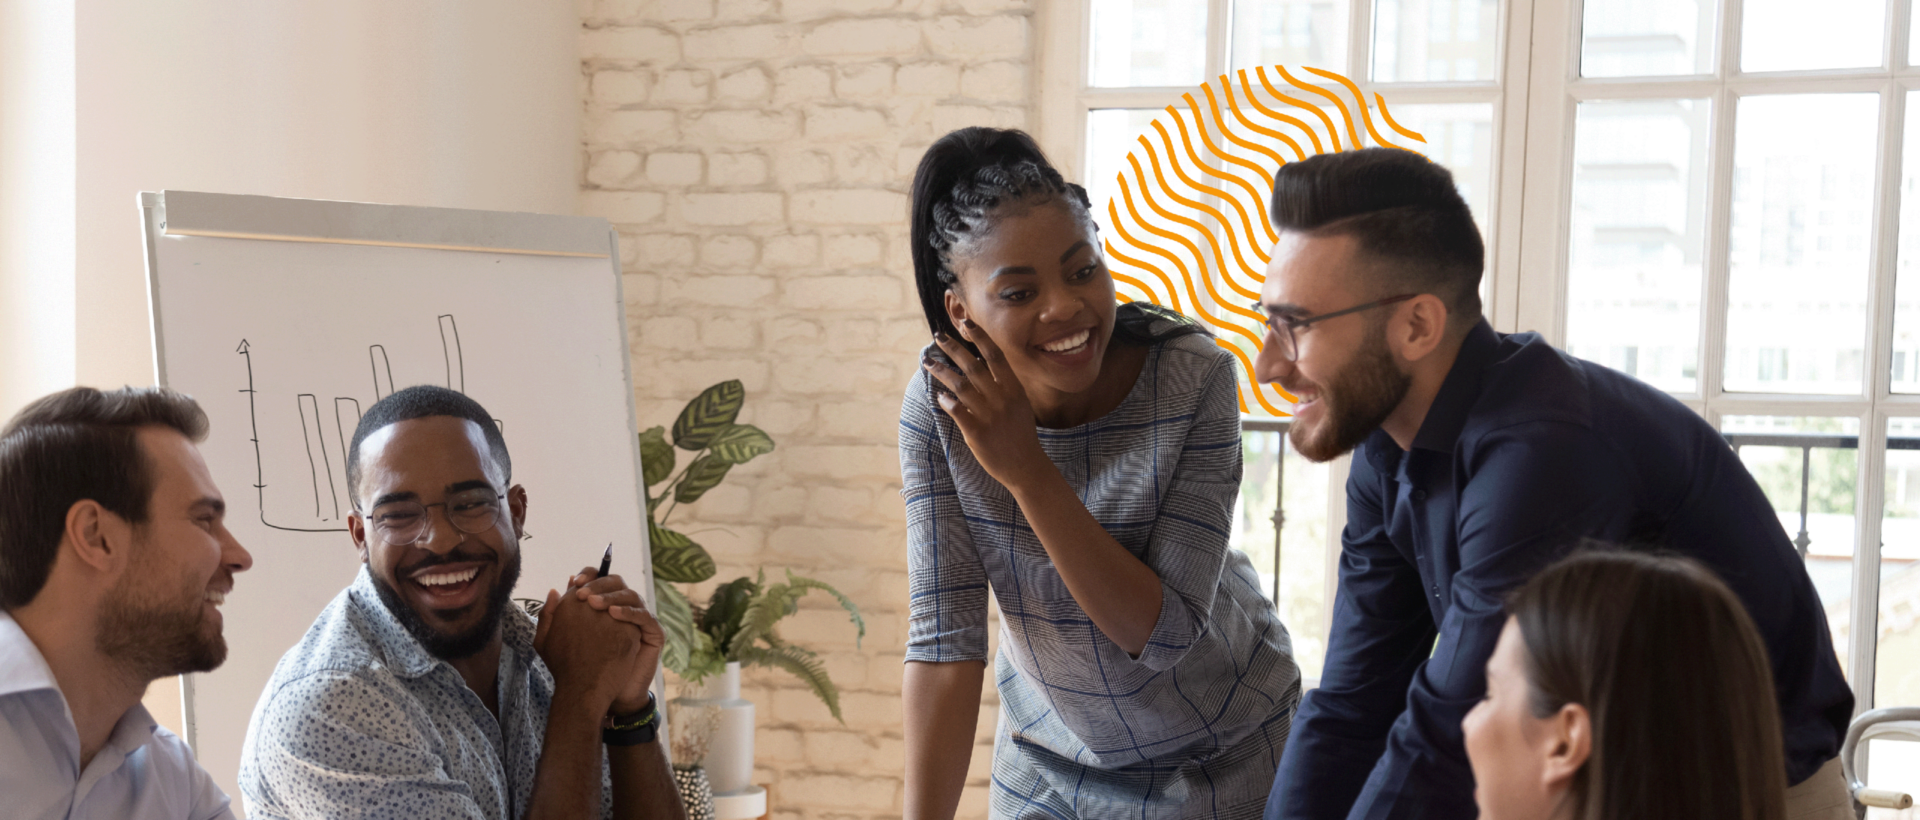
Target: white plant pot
(729, 761)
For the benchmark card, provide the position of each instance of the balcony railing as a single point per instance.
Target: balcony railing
(1807, 443)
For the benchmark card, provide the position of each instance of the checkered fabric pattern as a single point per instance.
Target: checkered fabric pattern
(1195, 725)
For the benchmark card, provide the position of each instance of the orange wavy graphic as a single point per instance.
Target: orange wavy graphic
(1188, 219)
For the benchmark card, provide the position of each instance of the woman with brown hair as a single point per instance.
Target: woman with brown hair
(1627, 685)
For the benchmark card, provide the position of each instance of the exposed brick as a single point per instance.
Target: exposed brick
(744, 10)
(683, 86)
(844, 122)
(730, 209)
(862, 38)
(995, 82)
(747, 84)
(719, 127)
(672, 168)
(616, 87)
(842, 292)
(626, 208)
(657, 250)
(832, 791)
(683, 10)
(972, 37)
(722, 291)
(849, 461)
(637, 43)
(612, 169)
(640, 127)
(856, 207)
(796, 168)
(800, 83)
(736, 169)
(863, 80)
(983, 7)
(729, 251)
(791, 251)
(929, 79)
(730, 333)
(809, 9)
(949, 117)
(850, 251)
(836, 375)
(752, 42)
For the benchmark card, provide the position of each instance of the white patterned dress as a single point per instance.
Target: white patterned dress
(1192, 728)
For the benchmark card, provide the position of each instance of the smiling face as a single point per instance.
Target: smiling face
(1509, 748)
(449, 588)
(1345, 377)
(162, 614)
(1037, 283)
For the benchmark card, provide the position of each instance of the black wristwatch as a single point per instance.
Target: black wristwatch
(632, 730)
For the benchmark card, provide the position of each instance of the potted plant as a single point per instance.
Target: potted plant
(708, 644)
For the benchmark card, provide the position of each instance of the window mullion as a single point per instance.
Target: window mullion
(1863, 631)
(1360, 42)
(1219, 36)
(1717, 269)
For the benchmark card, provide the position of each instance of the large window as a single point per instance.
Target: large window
(1705, 195)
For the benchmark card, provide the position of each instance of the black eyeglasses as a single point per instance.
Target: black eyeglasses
(1283, 328)
(403, 522)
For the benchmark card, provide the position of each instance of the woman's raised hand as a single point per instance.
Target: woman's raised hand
(988, 403)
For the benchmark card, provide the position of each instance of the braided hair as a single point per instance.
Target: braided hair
(966, 182)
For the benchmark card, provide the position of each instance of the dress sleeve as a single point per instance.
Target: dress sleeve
(947, 586)
(1188, 548)
(336, 746)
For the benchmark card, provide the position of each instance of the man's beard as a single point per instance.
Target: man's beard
(1357, 400)
(153, 634)
(456, 645)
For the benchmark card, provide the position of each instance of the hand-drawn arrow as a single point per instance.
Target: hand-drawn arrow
(260, 477)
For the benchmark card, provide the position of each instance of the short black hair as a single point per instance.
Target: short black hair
(75, 445)
(421, 401)
(1404, 212)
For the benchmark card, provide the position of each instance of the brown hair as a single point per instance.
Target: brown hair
(73, 445)
(1402, 210)
(1675, 679)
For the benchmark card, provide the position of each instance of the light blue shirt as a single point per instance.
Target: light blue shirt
(359, 721)
(143, 773)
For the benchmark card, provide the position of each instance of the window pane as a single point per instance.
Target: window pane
(1111, 135)
(1788, 35)
(1149, 42)
(1897, 658)
(1290, 33)
(1906, 305)
(1303, 602)
(1893, 765)
(1435, 40)
(1460, 137)
(1820, 456)
(1638, 234)
(1642, 38)
(1802, 216)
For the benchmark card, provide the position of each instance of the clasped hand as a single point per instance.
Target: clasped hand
(599, 639)
(990, 406)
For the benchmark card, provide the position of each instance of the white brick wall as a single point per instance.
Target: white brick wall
(755, 155)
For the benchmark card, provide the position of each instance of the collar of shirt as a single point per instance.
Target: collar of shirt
(22, 667)
(1447, 416)
(406, 656)
(23, 670)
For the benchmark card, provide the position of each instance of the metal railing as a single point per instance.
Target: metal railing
(1279, 518)
(1807, 443)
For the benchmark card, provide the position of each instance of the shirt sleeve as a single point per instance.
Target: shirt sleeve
(337, 746)
(1382, 627)
(1534, 491)
(1188, 547)
(947, 585)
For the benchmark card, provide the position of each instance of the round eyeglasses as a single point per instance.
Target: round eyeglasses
(1284, 327)
(403, 522)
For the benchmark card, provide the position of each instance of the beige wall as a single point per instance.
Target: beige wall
(36, 201)
(755, 157)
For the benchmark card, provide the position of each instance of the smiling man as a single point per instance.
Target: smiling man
(420, 693)
(114, 560)
(1480, 458)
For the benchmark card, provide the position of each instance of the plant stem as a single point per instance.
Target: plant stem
(675, 485)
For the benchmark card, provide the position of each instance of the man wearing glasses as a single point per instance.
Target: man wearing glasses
(1479, 458)
(420, 692)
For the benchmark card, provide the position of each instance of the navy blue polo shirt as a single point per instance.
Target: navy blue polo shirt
(1525, 452)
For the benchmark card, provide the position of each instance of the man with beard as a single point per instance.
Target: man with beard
(114, 559)
(1480, 458)
(420, 693)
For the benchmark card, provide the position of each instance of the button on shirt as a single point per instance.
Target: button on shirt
(1525, 452)
(143, 773)
(358, 721)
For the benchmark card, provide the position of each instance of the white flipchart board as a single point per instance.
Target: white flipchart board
(287, 318)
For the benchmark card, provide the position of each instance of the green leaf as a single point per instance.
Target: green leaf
(803, 584)
(677, 558)
(803, 665)
(708, 414)
(740, 444)
(702, 475)
(721, 620)
(778, 601)
(656, 456)
(676, 620)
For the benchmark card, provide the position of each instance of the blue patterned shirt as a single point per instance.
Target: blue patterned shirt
(1195, 723)
(358, 721)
